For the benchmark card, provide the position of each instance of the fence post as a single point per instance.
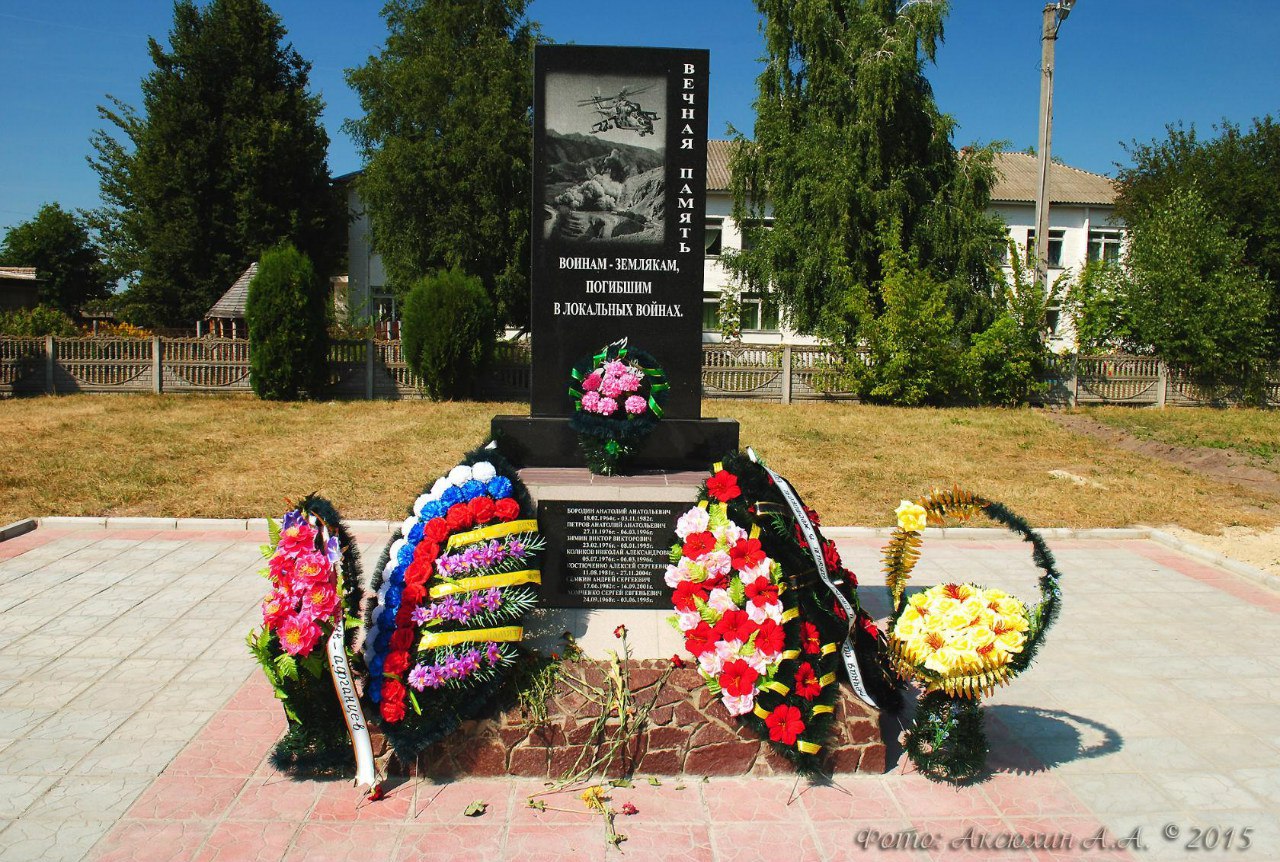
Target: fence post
(1074, 394)
(786, 374)
(1162, 383)
(50, 363)
(369, 347)
(157, 365)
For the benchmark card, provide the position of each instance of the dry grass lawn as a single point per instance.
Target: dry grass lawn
(193, 456)
(1255, 432)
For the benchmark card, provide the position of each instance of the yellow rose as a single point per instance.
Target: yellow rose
(911, 517)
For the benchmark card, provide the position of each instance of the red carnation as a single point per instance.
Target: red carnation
(427, 552)
(746, 553)
(807, 685)
(724, 486)
(698, 544)
(677, 662)
(482, 509)
(418, 573)
(701, 638)
(735, 626)
(738, 678)
(436, 530)
(396, 662)
(770, 638)
(686, 592)
(850, 577)
(459, 517)
(868, 625)
(404, 617)
(830, 555)
(402, 639)
(392, 701)
(810, 639)
(838, 610)
(762, 592)
(507, 509)
(413, 593)
(785, 724)
(813, 516)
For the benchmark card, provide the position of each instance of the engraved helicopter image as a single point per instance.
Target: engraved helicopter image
(620, 112)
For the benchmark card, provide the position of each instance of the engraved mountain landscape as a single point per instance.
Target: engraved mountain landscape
(603, 190)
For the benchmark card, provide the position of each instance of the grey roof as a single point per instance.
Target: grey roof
(231, 305)
(1019, 178)
(19, 273)
(1016, 178)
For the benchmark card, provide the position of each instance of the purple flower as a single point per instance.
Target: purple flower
(515, 548)
(418, 677)
(493, 653)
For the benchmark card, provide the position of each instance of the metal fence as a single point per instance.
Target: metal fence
(375, 369)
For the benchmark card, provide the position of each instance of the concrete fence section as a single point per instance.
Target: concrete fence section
(375, 369)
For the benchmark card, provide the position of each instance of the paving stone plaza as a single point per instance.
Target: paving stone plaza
(134, 726)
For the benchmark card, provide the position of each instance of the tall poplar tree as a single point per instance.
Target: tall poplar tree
(854, 163)
(226, 158)
(446, 136)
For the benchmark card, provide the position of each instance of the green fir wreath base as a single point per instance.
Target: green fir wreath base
(946, 741)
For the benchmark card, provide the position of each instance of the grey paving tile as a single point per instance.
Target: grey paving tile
(126, 757)
(67, 840)
(19, 792)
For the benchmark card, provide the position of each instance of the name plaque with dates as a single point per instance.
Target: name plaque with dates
(607, 555)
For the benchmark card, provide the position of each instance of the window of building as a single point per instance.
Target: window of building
(1104, 245)
(759, 314)
(713, 236)
(710, 312)
(382, 306)
(752, 229)
(1056, 236)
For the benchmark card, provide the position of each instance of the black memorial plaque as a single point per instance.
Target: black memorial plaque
(607, 555)
(619, 204)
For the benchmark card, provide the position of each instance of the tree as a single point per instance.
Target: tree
(57, 244)
(448, 332)
(445, 136)
(286, 312)
(856, 161)
(226, 158)
(1191, 297)
(1236, 173)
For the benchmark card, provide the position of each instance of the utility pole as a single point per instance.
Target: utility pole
(1054, 14)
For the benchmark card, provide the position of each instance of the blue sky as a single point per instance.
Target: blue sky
(1126, 68)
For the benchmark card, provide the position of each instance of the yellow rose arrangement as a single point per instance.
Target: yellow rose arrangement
(959, 641)
(958, 638)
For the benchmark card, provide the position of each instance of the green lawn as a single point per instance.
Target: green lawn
(1256, 432)
(201, 456)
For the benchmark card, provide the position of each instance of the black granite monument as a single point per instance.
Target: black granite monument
(619, 205)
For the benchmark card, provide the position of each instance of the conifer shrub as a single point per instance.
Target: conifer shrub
(447, 331)
(288, 336)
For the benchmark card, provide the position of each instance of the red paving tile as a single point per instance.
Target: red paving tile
(1039, 795)
(450, 843)
(914, 793)
(879, 840)
(656, 842)
(182, 797)
(849, 800)
(151, 842)
(966, 838)
(737, 800)
(275, 797)
(339, 842)
(554, 842)
(445, 803)
(343, 802)
(238, 841)
(1056, 839)
(756, 842)
(219, 757)
(662, 804)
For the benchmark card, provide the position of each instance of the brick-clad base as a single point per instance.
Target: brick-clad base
(688, 733)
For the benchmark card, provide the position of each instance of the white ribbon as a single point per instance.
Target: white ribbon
(847, 651)
(344, 685)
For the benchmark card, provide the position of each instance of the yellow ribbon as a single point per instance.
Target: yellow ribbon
(484, 582)
(822, 708)
(790, 614)
(755, 531)
(790, 654)
(702, 504)
(430, 640)
(717, 467)
(807, 747)
(497, 531)
(761, 712)
(828, 649)
(778, 687)
(827, 680)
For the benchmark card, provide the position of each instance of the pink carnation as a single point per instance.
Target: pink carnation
(615, 368)
(591, 402)
(636, 404)
(608, 407)
(592, 383)
(298, 635)
(611, 387)
(631, 381)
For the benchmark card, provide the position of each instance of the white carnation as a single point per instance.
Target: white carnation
(483, 472)
(437, 490)
(419, 503)
(460, 475)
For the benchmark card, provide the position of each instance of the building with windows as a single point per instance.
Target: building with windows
(1081, 226)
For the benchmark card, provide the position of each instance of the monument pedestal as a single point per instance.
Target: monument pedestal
(674, 444)
(607, 544)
